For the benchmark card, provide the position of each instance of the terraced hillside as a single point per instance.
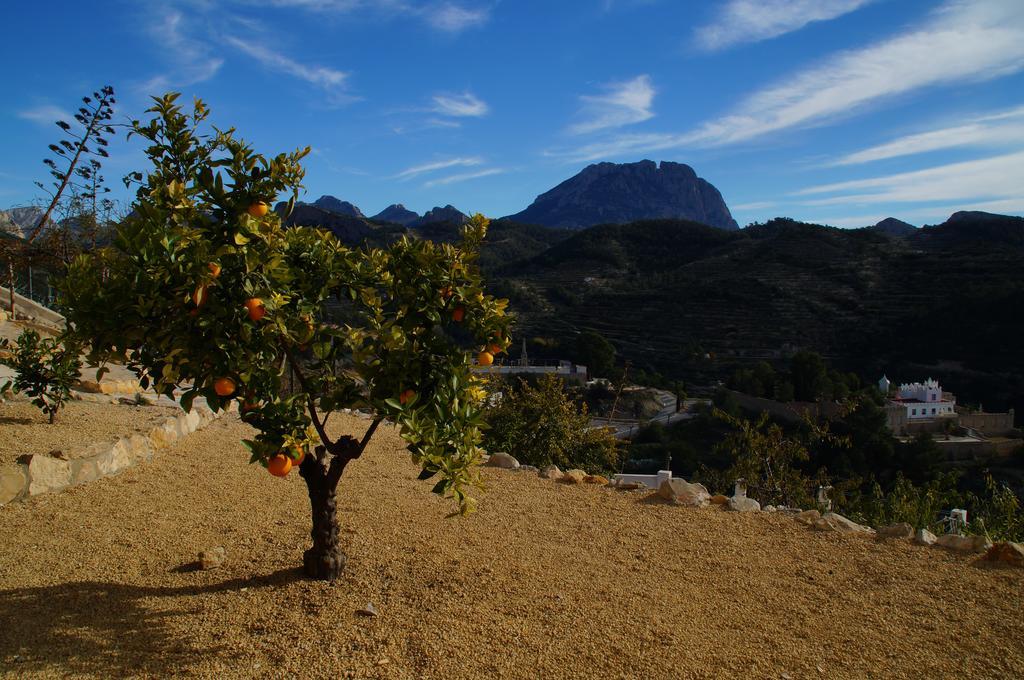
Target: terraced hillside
(670, 293)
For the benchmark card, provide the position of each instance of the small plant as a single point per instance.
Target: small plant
(46, 369)
(998, 513)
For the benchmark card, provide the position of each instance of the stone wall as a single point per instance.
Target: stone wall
(791, 411)
(988, 423)
(42, 473)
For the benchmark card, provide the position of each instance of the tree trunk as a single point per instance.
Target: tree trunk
(325, 560)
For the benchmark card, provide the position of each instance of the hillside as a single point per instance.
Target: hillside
(544, 581)
(667, 293)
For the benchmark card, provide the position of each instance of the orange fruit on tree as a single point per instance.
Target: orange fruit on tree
(255, 308)
(406, 396)
(224, 387)
(280, 465)
(214, 269)
(446, 292)
(485, 358)
(494, 348)
(199, 295)
(458, 314)
(300, 455)
(258, 209)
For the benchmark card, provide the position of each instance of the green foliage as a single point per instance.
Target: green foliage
(998, 512)
(810, 376)
(769, 459)
(169, 299)
(596, 353)
(46, 369)
(540, 425)
(918, 506)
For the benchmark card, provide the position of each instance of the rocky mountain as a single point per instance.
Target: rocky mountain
(338, 206)
(396, 213)
(20, 221)
(891, 226)
(446, 214)
(614, 193)
(348, 228)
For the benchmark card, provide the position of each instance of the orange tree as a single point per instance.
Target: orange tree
(205, 292)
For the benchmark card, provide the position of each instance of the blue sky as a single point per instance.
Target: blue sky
(835, 111)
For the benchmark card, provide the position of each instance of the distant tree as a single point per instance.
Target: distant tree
(541, 425)
(810, 375)
(74, 170)
(596, 353)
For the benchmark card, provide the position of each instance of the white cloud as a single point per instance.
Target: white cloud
(459, 105)
(452, 179)
(756, 205)
(439, 165)
(961, 42)
(746, 21)
(322, 76)
(992, 130)
(192, 60)
(452, 18)
(623, 103)
(996, 178)
(47, 114)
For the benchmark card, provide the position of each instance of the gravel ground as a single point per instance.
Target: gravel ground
(545, 581)
(26, 429)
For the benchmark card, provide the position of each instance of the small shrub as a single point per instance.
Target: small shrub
(46, 368)
(540, 425)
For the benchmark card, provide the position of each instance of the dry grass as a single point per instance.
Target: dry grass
(545, 581)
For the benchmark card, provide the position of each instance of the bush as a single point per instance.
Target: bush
(46, 369)
(540, 426)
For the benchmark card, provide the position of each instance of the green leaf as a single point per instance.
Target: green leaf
(426, 474)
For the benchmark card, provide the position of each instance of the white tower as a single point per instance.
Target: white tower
(883, 385)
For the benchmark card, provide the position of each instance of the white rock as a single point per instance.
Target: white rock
(502, 460)
(681, 492)
(574, 476)
(368, 610)
(822, 524)
(47, 474)
(807, 517)
(550, 472)
(843, 524)
(743, 504)
(899, 530)
(212, 558)
(964, 543)
(924, 537)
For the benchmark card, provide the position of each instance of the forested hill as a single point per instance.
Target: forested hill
(945, 300)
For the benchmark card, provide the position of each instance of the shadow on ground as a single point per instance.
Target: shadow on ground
(110, 629)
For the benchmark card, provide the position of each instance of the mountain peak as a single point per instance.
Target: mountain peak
(894, 227)
(396, 213)
(338, 206)
(446, 214)
(625, 192)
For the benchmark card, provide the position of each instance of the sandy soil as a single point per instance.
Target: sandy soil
(26, 429)
(545, 581)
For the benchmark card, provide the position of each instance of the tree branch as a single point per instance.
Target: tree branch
(310, 403)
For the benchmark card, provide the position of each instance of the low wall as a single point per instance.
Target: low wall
(42, 473)
(988, 423)
(959, 451)
(25, 307)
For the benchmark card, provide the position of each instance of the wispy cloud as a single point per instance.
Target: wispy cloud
(993, 130)
(452, 179)
(321, 76)
(994, 178)
(191, 58)
(46, 114)
(961, 42)
(445, 16)
(414, 171)
(452, 18)
(746, 21)
(622, 103)
(459, 105)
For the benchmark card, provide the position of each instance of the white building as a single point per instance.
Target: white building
(924, 401)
